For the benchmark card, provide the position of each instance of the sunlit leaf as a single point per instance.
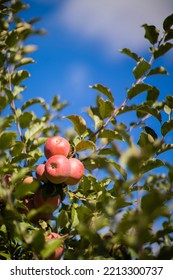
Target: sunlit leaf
(78, 122)
(19, 76)
(84, 145)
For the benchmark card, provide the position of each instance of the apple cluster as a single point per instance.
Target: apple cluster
(58, 171)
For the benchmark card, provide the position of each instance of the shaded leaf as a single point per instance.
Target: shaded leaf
(141, 68)
(151, 33)
(120, 169)
(167, 127)
(158, 71)
(19, 76)
(130, 53)
(25, 119)
(168, 22)
(145, 109)
(106, 91)
(137, 89)
(7, 139)
(169, 101)
(151, 132)
(153, 94)
(106, 108)
(22, 190)
(50, 247)
(12, 38)
(151, 164)
(79, 123)
(17, 148)
(162, 49)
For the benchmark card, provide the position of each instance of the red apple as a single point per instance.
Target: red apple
(56, 145)
(52, 202)
(57, 169)
(40, 173)
(76, 172)
(59, 251)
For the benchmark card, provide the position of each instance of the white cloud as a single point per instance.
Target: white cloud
(113, 24)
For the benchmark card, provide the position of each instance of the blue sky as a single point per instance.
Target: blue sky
(82, 45)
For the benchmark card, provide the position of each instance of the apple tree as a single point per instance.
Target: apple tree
(107, 193)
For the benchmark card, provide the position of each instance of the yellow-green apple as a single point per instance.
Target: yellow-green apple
(29, 180)
(40, 173)
(56, 145)
(51, 202)
(57, 169)
(76, 171)
(58, 251)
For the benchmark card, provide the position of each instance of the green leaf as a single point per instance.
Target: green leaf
(151, 33)
(22, 190)
(141, 68)
(162, 49)
(143, 110)
(6, 122)
(158, 71)
(169, 35)
(168, 22)
(84, 145)
(25, 119)
(62, 219)
(130, 53)
(120, 169)
(34, 131)
(12, 38)
(151, 132)
(19, 76)
(169, 101)
(74, 215)
(105, 90)
(34, 101)
(7, 139)
(167, 127)
(106, 108)
(137, 89)
(17, 148)
(94, 113)
(151, 164)
(110, 134)
(79, 123)
(50, 247)
(3, 102)
(153, 94)
(24, 61)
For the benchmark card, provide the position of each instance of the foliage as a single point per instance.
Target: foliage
(122, 207)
